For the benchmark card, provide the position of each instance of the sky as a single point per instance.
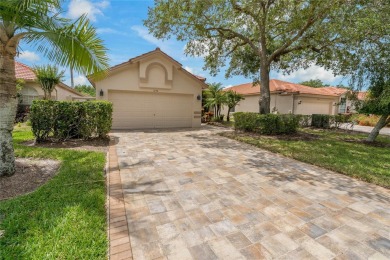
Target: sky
(120, 24)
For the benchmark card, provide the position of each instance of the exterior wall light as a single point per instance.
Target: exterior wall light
(101, 93)
(299, 102)
(199, 97)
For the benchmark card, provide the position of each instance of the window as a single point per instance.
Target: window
(233, 109)
(27, 95)
(342, 106)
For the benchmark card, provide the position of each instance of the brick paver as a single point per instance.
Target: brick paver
(191, 194)
(118, 231)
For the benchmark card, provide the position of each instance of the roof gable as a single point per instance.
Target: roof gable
(150, 55)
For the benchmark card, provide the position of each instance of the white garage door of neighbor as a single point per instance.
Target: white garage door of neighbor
(309, 108)
(138, 110)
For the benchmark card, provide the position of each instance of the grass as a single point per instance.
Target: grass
(63, 219)
(334, 150)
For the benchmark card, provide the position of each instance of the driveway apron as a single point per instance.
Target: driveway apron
(192, 194)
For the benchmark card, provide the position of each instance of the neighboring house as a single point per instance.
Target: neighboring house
(152, 91)
(291, 98)
(32, 90)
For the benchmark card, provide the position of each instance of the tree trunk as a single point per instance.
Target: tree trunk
(228, 115)
(8, 105)
(265, 98)
(375, 132)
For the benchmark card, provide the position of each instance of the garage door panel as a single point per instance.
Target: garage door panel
(137, 110)
(309, 108)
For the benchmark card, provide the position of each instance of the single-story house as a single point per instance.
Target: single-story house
(32, 90)
(152, 91)
(291, 98)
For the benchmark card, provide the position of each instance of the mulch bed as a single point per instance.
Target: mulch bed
(30, 174)
(98, 145)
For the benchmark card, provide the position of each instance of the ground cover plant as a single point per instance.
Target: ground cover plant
(63, 219)
(337, 150)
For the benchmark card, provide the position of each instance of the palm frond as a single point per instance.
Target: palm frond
(75, 44)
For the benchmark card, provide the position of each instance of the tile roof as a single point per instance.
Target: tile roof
(24, 72)
(284, 86)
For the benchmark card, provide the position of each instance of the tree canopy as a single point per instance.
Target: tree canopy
(48, 77)
(86, 89)
(252, 37)
(314, 83)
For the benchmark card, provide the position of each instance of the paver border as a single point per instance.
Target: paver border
(118, 230)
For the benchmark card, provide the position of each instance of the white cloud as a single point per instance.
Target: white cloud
(144, 34)
(313, 72)
(80, 80)
(93, 9)
(29, 56)
(189, 69)
(167, 46)
(228, 86)
(108, 31)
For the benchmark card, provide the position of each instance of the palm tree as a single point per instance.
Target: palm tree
(215, 98)
(64, 42)
(48, 77)
(232, 99)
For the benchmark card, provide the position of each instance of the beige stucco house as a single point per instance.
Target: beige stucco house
(152, 91)
(291, 98)
(32, 90)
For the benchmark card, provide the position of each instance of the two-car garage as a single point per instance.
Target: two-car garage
(152, 91)
(137, 110)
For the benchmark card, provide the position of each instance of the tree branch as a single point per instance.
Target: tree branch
(233, 35)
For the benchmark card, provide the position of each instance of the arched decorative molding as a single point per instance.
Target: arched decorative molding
(155, 74)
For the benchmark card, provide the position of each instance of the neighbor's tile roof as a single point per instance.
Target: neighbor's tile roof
(24, 72)
(361, 95)
(282, 86)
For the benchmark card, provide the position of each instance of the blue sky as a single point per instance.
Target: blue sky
(120, 24)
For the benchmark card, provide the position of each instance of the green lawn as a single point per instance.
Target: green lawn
(63, 219)
(335, 150)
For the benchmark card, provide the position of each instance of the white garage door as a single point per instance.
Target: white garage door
(309, 108)
(138, 110)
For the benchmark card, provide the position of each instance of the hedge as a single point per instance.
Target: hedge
(63, 120)
(328, 121)
(269, 124)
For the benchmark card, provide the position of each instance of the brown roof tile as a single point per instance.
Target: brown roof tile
(24, 72)
(284, 86)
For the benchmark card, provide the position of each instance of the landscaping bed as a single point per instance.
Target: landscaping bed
(29, 175)
(62, 219)
(341, 151)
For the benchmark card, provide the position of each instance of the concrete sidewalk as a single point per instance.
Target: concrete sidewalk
(364, 129)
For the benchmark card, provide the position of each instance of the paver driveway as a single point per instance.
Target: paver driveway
(191, 194)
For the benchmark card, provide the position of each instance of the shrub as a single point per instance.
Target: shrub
(365, 120)
(62, 120)
(328, 121)
(304, 120)
(320, 121)
(269, 124)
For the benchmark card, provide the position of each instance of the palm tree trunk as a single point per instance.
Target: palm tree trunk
(8, 105)
(383, 121)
